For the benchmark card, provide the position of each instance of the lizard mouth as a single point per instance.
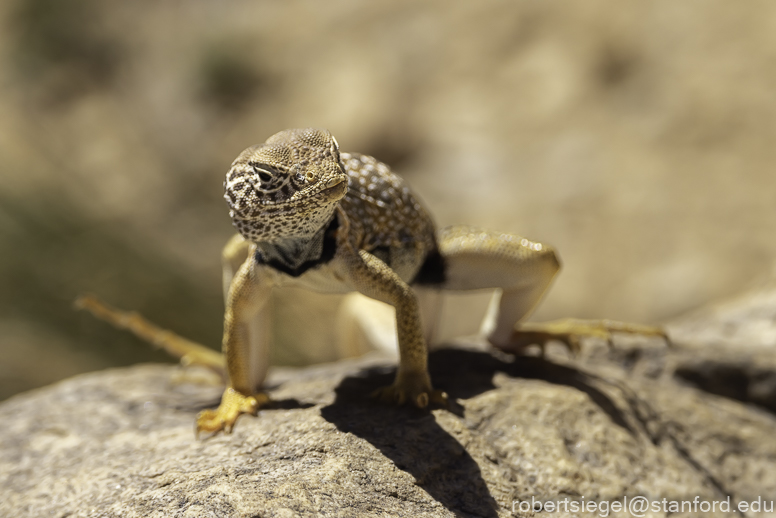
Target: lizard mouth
(335, 189)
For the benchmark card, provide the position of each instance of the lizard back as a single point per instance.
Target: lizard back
(385, 217)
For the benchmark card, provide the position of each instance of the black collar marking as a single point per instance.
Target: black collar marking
(327, 253)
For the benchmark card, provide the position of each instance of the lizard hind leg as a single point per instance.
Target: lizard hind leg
(521, 270)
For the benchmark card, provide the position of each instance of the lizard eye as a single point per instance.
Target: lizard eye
(264, 175)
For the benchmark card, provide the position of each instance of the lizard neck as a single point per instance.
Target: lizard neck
(295, 255)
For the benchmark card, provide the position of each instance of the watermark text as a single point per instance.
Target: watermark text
(639, 506)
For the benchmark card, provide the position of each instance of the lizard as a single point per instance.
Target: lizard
(311, 216)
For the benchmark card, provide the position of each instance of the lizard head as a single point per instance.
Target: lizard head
(287, 187)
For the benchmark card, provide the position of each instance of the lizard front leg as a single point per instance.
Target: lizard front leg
(375, 279)
(245, 347)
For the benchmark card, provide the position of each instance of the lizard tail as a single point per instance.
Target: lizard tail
(189, 353)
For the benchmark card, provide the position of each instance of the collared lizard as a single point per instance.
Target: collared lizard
(311, 216)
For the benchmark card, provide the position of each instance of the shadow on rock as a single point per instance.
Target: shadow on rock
(414, 441)
(742, 381)
(465, 373)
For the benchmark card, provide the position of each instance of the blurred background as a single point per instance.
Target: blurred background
(637, 138)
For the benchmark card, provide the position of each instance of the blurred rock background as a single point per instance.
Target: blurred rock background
(635, 137)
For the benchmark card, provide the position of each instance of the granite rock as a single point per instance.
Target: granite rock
(639, 419)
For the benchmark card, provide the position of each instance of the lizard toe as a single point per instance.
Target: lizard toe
(233, 404)
(418, 392)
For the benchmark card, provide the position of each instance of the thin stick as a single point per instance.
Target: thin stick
(188, 352)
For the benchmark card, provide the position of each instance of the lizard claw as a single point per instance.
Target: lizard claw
(232, 405)
(415, 389)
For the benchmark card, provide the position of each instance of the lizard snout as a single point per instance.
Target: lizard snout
(335, 188)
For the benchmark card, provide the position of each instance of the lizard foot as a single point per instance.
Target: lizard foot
(413, 388)
(571, 331)
(232, 405)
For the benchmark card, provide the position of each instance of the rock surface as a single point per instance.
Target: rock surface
(611, 424)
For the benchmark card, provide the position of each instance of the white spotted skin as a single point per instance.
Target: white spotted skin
(383, 213)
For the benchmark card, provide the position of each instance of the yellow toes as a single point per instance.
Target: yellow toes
(233, 404)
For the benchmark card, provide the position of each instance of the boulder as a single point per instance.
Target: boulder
(640, 419)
